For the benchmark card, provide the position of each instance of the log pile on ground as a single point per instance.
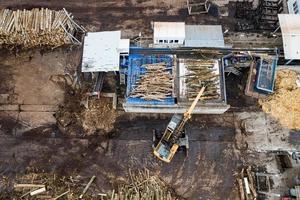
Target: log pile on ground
(37, 27)
(202, 73)
(246, 184)
(284, 103)
(155, 84)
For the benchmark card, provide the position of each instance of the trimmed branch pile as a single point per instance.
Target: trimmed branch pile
(37, 27)
(202, 73)
(284, 103)
(155, 84)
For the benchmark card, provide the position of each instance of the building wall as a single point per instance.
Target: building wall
(294, 6)
(169, 40)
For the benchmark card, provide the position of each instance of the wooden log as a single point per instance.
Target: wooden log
(28, 185)
(251, 182)
(87, 187)
(38, 191)
(241, 189)
(61, 195)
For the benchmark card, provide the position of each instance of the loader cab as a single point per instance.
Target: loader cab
(174, 122)
(164, 150)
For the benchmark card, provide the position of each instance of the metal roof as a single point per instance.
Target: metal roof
(290, 29)
(204, 36)
(101, 51)
(169, 30)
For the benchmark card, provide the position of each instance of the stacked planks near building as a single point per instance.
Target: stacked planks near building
(37, 27)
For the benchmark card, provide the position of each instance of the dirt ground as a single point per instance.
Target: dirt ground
(34, 134)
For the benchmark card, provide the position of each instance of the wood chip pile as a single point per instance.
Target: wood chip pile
(284, 103)
(37, 27)
(202, 73)
(155, 84)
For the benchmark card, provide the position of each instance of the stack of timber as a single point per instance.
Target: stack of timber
(246, 184)
(202, 73)
(155, 84)
(37, 27)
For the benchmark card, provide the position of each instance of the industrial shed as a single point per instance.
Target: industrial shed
(101, 51)
(204, 36)
(168, 33)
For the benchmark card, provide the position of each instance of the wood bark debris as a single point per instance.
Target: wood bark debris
(142, 186)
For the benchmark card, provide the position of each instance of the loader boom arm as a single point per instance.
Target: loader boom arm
(187, 115)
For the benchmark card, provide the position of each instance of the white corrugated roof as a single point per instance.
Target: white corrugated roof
(101, 51)
(169, 30)
(290, 29)
(204, 36)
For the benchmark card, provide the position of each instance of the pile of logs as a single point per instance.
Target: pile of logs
(202, 73)
(37, 27)
(246, 183)
(155, 84)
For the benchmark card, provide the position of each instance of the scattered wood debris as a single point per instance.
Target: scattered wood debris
(143, 186)
(37, 27)
(140, 185)
(284, 103)
(202, 73)
(246, 184)
(155, 84)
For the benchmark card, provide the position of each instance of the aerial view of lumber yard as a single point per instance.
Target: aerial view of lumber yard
(150, 99)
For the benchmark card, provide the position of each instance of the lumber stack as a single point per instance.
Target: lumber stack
(155, 84)
(37, 27)
(202, 73)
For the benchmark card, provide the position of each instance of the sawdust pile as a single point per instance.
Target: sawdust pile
(284, 104)
(99, 116)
